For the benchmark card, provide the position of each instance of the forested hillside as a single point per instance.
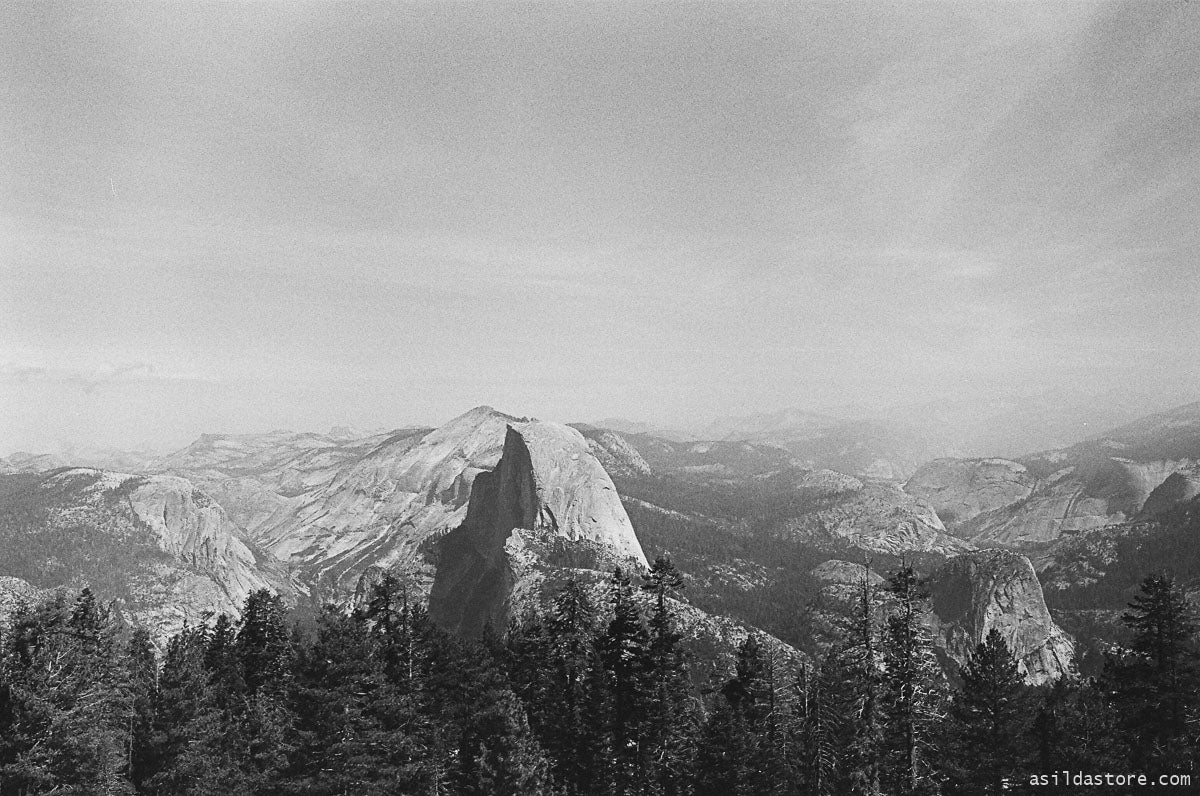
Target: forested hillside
(587, 698)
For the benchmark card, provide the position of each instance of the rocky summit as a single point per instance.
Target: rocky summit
(549, 503)
(997, 589)
(385, 506)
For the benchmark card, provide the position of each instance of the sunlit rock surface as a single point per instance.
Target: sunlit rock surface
(985, 589)
(548, 504)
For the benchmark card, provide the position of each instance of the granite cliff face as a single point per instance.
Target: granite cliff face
(161, 547)
(1104, 481)
(259, 479)
(970, 594)
(548, 504)
(872, 516)
(386, 507)
(961, 489)
(985, 589)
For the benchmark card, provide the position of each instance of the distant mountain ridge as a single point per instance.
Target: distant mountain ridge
(166, 550)
(1105, 480)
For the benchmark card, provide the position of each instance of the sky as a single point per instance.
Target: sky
(244, 216)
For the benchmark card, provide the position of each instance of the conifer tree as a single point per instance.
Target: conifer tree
(624, 654)
(141, 673)
(194, 740)
(263, 645)
(222, 661)
(1156, 684)
(990, 720)
(343, 746)
(671, 722)
(1076, 728)
(499, 755)
(743, 749)
(912, 694)
(69, 704)
(860, 661)
(827, 707)
(557, 661)
(265, 656)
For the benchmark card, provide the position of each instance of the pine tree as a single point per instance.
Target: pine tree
(990, 720)
(195, 742)
(743, 749)
(343, 746)
(68, 702)
(417, 703)
(1156, 684)
(553, 664)
(912, 697)
(624, 654)
(499, 754)
(141, 669)
(265, 659)
(861, 662)
(671, 721)
(222, 662)
(1076, 728)
(263, 646)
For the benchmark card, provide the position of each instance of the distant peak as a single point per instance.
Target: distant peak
(482, 412)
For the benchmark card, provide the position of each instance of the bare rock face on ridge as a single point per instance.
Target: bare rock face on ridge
(985, 589)
(961, 489)
(164, 549)
(548, 504)
(386, 507)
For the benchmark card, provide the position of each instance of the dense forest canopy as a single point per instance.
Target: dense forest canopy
(586, 698)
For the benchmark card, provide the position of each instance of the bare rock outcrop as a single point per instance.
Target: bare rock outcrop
(615, 453)
(875, 517)
(387, 506)
(961, 489)
(162, 548)
(985, 589)
(548, 504)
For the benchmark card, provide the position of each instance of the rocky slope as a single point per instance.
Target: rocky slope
(997, 589)
(166, 550)
(970, 594)
(645, 454)
(873, 517)
(1104, 481)
(258, 476)
(961, 489)
(549, 504)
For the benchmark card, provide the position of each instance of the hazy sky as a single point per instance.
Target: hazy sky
(240, 216)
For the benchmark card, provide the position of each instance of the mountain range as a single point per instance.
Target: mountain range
(485, 514)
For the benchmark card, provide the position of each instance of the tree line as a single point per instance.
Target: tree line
(593, 696)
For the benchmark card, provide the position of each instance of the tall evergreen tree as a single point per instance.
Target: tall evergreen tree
(555, 663)
(499, 754)
(141, 673)
(912, 693)
(263, 644)
(195, 742)
(1076, 728)
(343, 744)
(265, 656)
(990, 720)
(68, 702)
(624, 654)
(743, 749)
(1156, 683)
(671, 722)
(861, 662)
